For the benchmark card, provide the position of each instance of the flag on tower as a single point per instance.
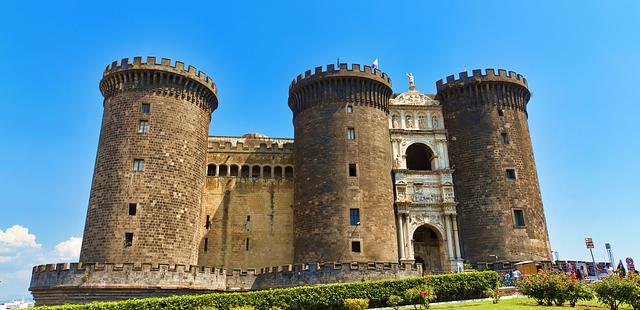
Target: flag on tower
(375, 64)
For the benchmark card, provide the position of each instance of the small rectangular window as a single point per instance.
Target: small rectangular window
(504, 137)
(143, 126)
(354, 216)
(207, 224)
(128, 239)
(355, 246)
(246, 245)
(138, 165)
(206, 244)
(500, 112)
(145, 108)
(511, 174)
(352, 170)
(351, 133)
(349, 109)
(133, 208)
(518, 218)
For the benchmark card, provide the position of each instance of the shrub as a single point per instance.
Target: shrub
(493, 294)
(394, 301)
(421, 295)
(577, 290)
(613, 291)
(446, 287)
(356, 303)
(244, 308)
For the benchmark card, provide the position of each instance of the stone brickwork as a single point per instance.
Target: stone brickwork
(168, 190)
(248, 198)
(326, 104)
(478, 110)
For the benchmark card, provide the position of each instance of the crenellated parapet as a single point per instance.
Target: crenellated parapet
(506, 90)
(359, 85)
(167, 77)
(250, 145)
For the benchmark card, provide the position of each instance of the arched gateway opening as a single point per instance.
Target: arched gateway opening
(428, 249)
(419, 157)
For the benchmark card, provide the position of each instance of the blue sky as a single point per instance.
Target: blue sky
(581, 59)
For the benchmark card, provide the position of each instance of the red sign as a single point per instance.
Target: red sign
(589, 243)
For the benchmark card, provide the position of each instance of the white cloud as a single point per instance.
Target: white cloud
(17, 236)
(7, 259)
(69, 250)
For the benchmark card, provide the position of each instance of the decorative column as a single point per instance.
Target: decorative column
(401, 236)
(450, 244)
(455, 235)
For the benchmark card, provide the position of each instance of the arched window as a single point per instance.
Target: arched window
(266, 172)
(255, 171)
(288, 172)
(419, 157)
(277, 172)
(234, 170)
(244, 171)
(211, 170)
(222, 172)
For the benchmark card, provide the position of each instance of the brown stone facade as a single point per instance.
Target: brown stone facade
(486, 117)
(327, 105)
(167, 190)
(248, 199)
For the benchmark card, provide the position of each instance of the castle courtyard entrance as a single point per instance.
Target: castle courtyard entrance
(428, 249)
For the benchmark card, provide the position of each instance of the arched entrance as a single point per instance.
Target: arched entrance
(428, 249)
(419, 157)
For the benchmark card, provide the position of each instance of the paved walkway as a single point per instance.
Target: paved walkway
(462, 301)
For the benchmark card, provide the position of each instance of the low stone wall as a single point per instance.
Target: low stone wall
(82, 283)
(56, 284)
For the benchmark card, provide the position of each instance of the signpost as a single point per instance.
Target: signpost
(630, 265)
(609, 252)
(589, 243)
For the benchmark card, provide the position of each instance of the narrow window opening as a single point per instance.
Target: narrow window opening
(349, 109)
(500, 112)
(277, 172)
(504, 137)
(207, 224)
(266, 172)
(511, 174)
(138, 165)
(128, 239)
(222, 171)
(206, 244)
(352, 170)
(255, 171)
(351, 133)
(288, 172)
(234, 171)
(133, 208)
(244, 171)
(211, 170)
(355, 246)
(143, 127)
(354, 217)
(246, 245)
(145, 108)
(518, 217)
(248, 218)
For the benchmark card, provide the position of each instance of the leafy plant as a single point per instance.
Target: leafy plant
(394, 301)
(493, 294)
(356, 303)
(614, 290)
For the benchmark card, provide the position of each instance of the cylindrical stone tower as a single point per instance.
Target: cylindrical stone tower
(343, 196)
(500, 207)
(149, 173)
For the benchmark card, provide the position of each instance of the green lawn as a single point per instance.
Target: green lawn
(518, 303)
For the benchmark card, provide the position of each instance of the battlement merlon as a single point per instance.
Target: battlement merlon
(344, 70)
(250, 145)
(176, 68)
(477, 76)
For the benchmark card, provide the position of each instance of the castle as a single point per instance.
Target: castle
(374, 185)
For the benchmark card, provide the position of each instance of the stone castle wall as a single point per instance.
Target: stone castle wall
(325, 105)
(249, 199)
(478, 110)
(168, 190)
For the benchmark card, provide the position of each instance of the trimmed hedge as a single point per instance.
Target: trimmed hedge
(447, 287)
